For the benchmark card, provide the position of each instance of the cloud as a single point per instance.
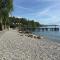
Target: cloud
(47, 15)
(47, 0)
(45, 11)
(20, 7)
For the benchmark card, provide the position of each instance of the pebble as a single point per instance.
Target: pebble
(16, 47)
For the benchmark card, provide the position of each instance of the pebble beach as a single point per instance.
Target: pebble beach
(17, 46)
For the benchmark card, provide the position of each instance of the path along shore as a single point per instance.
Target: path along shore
(14, 46)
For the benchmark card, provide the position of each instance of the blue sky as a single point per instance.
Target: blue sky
(43, 11)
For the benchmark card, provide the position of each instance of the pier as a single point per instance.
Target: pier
(49, 28)
(43, 28)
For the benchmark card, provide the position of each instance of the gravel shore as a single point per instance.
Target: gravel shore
(17, 46)
(2, 32)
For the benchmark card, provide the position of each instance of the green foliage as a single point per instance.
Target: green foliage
(23, 22)
(6, 6)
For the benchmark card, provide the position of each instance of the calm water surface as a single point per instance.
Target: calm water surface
(51, 35)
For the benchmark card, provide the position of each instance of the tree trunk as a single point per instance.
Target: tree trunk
(1, 27)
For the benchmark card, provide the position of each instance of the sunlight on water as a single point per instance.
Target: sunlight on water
(51, 35)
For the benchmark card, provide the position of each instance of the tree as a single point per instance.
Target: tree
(24, 23)
(6, 7)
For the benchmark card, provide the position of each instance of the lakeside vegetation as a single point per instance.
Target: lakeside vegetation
(6, 7)
(23, 23)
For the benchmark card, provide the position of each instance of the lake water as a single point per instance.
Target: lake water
(51, 35)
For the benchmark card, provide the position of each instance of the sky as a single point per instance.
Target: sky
(42, 11)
